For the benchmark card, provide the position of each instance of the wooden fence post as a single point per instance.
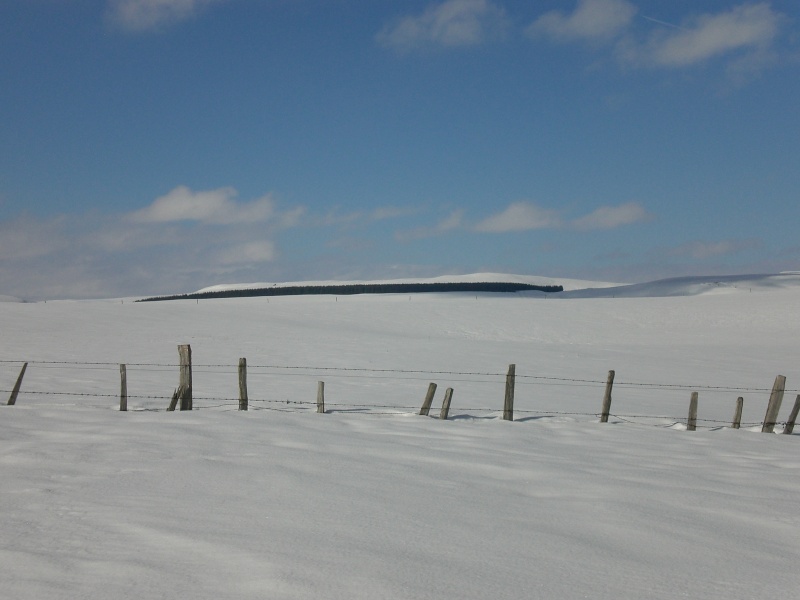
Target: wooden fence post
(123, 388)
(691, 424)
(607, 398)
(774, 406)
(185, 353)
(242, 384)
(321, 397)
(180, 395)
(737, 416)
(508, 406)
(12, 400)
(448, 396)
(792, 416)
(426, 405)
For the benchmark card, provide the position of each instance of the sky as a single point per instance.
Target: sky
(161, 146)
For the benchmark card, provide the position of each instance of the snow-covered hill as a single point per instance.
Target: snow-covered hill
(575, 288)
(688, 286)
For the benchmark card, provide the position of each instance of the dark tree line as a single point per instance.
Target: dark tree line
(365, 288)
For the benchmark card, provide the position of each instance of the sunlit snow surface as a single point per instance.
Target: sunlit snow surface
(374, 501)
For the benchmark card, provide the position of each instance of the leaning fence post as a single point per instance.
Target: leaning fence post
(123, 388)
(508, 406)
(242, 384)
(185, 353)
(426, 405)
(321, 397)
(691, 424)
(737, 416)
(448, 396)
(12, 400)
(607, 398)
(774, 406)
(792, 416)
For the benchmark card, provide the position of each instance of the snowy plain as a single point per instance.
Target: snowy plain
(372, 500)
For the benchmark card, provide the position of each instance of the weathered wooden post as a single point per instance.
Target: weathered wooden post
(737, 416)
(792, 416)
(426, 405)
(180, 394)
(12, 400)
(448, 396)
(242, 384)
(123, 388)
(691, 424)
(508, 406)
(321, 397)
(774, 406)
(185, 353)
(607, 398)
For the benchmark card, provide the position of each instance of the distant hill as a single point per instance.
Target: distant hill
(344, 289)
(691, 286)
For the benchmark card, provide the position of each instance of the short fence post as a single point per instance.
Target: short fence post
(508, 406)
(321, 397)
(123, 388)
(242, 384)
(180, 394)
(448, 396)
(737, 416)
(185, 353)
(426, 405)
(691, 424)
(607, 398)
(12, 400)
(774, 406)
(792, 416)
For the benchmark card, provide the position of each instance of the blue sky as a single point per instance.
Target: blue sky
(159, 146)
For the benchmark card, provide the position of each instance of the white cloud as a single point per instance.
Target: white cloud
(183, 241)
(743, 30)
(217, 207)
(520, 216)
(592, 20)
(455, 23)
(610, 217)
(147, 15)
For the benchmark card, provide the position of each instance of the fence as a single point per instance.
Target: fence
(183, 397)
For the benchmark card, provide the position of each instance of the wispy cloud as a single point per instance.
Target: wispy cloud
(391, 212)
(520, 216)
(701, 250)
(258, 251)
(743, 37)
(453, 221)
(592, 20)
(149, 15)
(381, 213)
(217, 207)
(455, 23)
(740, 31)
(611, 217)
(526, 216)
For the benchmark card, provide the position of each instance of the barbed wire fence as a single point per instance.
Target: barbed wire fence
(157, 402)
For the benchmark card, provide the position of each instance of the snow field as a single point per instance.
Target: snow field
(217, 503)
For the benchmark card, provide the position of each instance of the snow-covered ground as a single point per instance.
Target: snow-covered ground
(374, 501)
